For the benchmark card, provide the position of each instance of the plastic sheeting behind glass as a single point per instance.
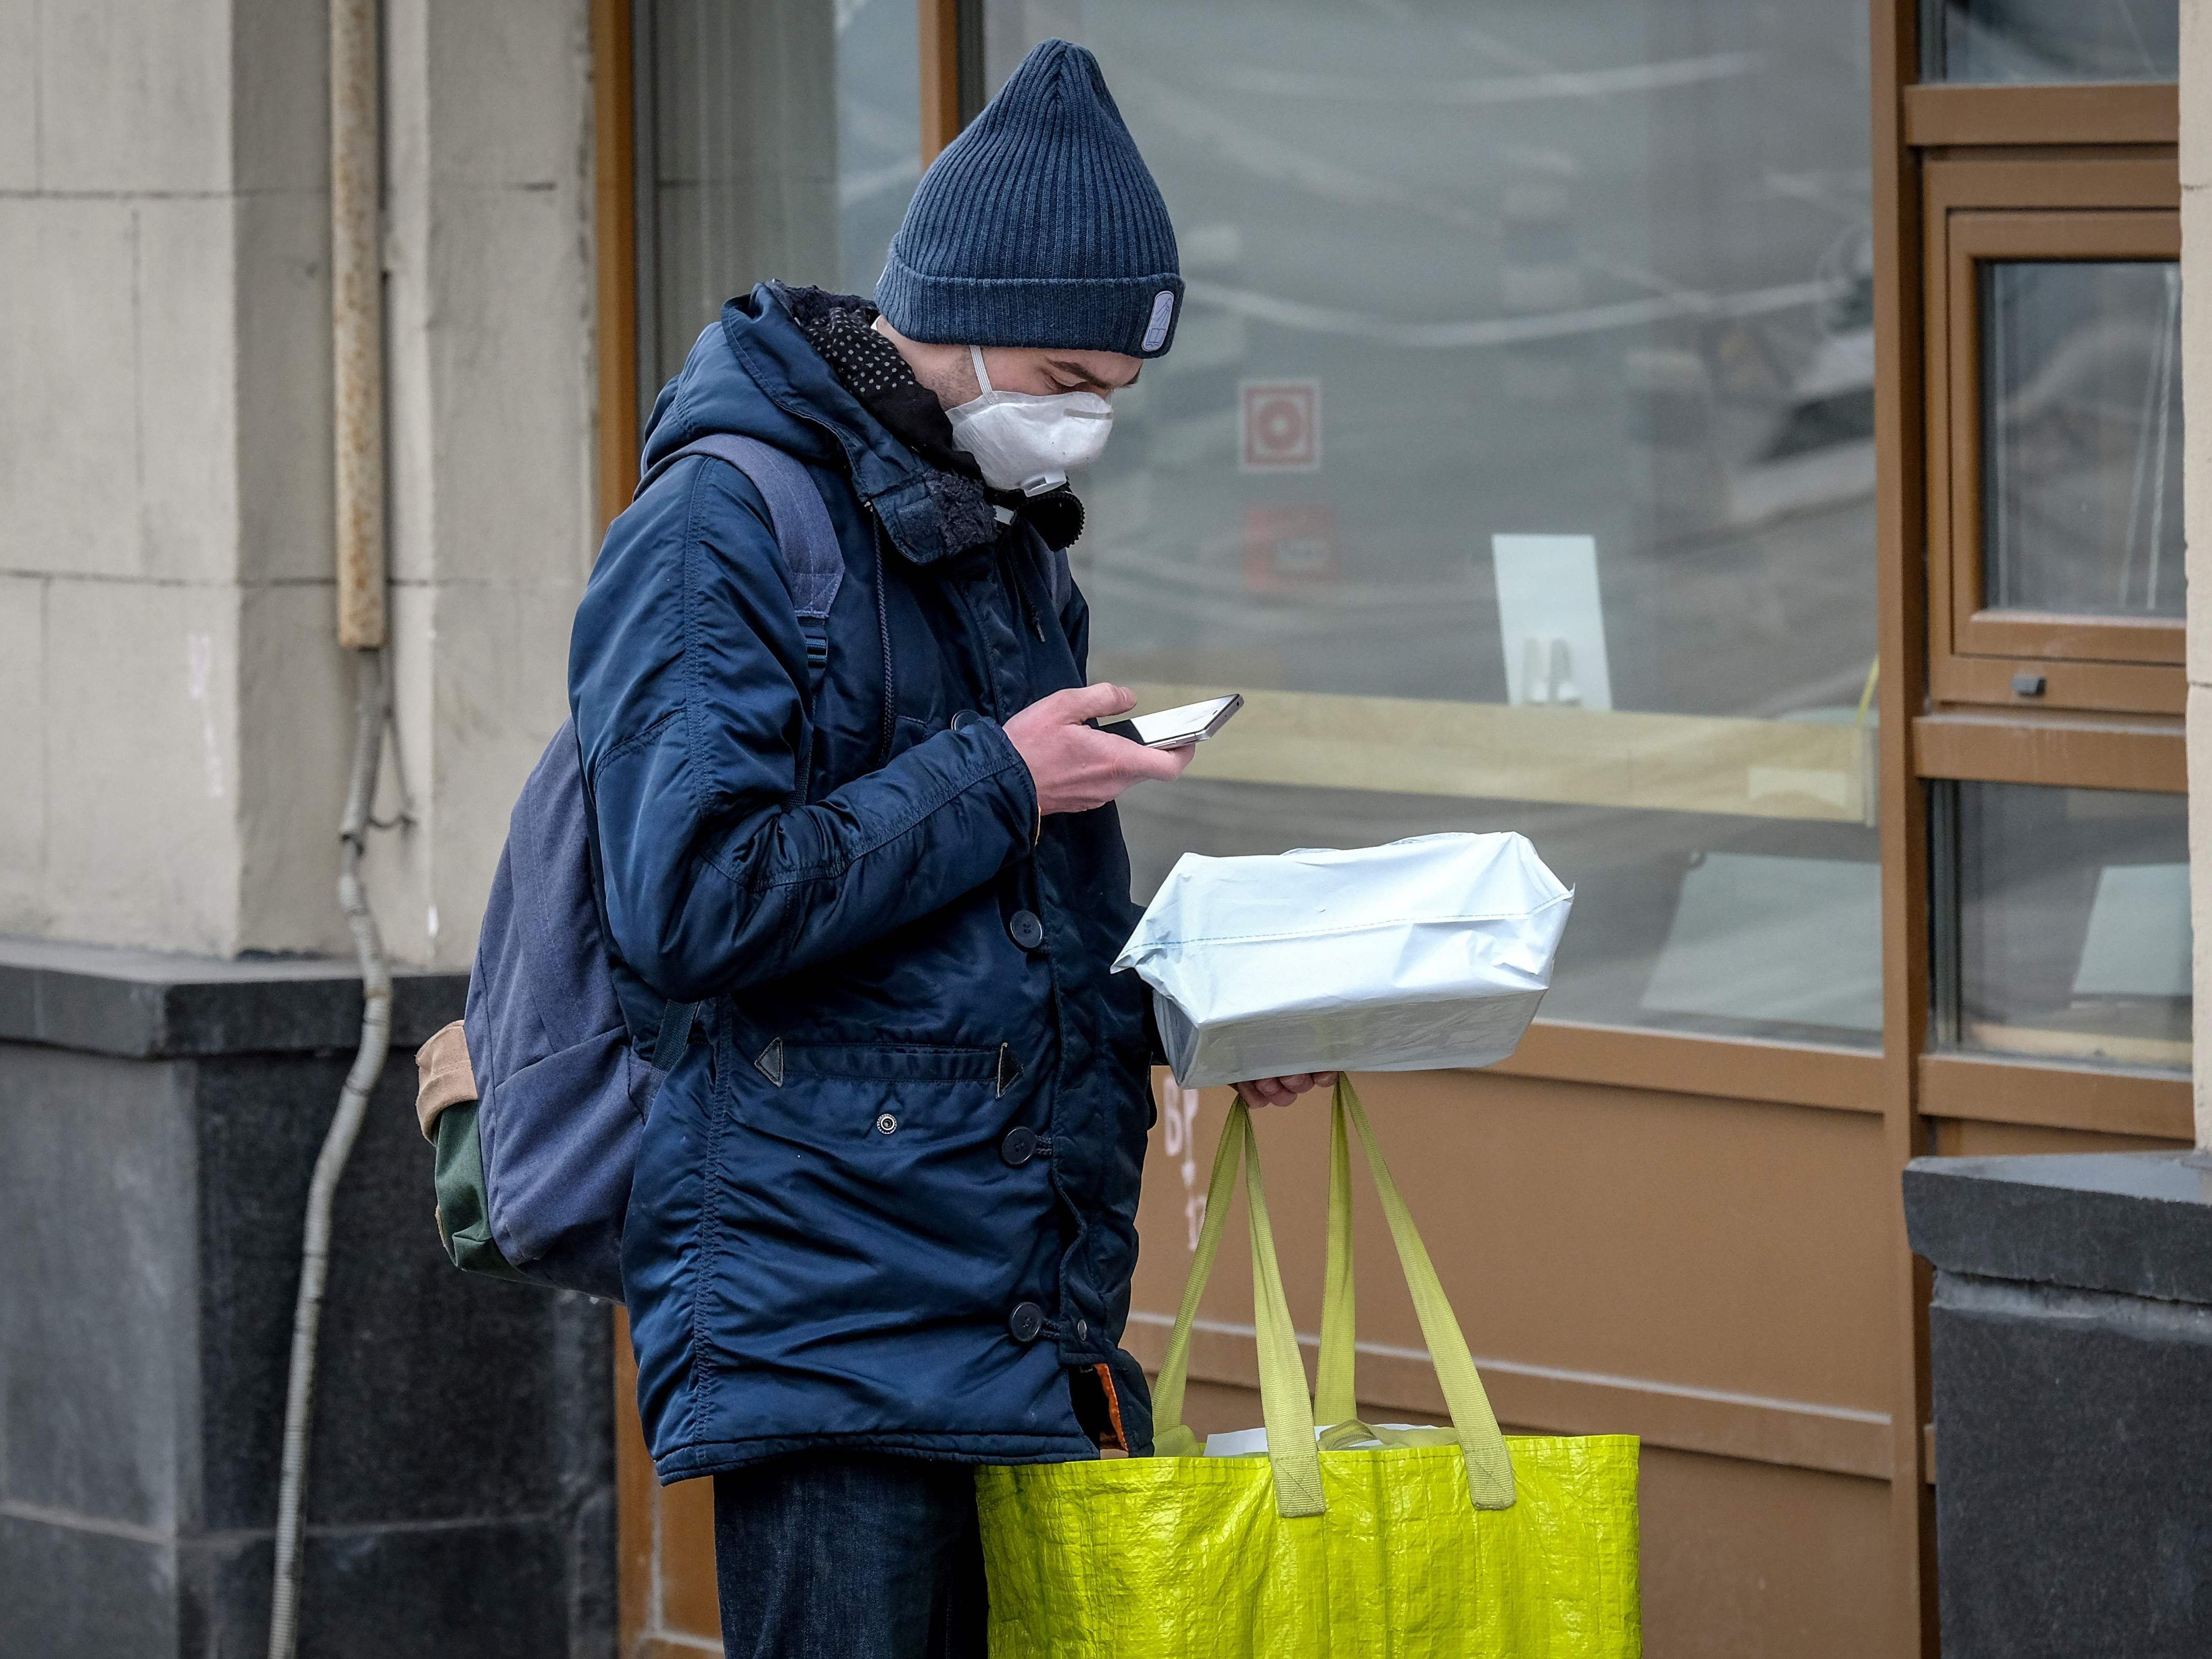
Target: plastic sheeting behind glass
(775, 139)
(2026, 41)
(2081, 437)
(1514, 459)
(2063, 925)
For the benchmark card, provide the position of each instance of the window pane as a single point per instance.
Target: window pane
(2050, 41)
(2081, 437)
(2071, 925)
(780, 139)
(1514, 459)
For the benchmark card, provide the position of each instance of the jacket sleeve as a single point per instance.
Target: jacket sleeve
(688, 675)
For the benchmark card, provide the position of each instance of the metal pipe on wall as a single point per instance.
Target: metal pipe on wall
(357, 319)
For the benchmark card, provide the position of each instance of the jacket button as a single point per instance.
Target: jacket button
(886, 1124)
(1019, 1146)
(1082, 1330)
(1028, 932)
(1025, 1321)
(964, 719)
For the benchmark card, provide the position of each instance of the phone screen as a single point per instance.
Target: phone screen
(1173, 728)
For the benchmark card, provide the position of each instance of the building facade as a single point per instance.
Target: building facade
(1741, 445)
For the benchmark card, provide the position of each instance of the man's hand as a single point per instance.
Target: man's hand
(1076, 767)
(1282, 1090)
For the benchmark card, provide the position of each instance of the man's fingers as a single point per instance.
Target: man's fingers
(1284, 1091)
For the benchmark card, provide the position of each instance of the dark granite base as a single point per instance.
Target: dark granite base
(152, 1180)
(2071, 1346)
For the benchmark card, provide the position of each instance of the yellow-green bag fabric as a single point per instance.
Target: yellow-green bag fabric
(1459, 1544)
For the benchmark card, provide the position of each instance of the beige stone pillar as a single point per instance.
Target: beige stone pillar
(173, 705)
(169, 690)
(493, 402)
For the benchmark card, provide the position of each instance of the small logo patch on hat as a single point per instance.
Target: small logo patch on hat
(1162, 314)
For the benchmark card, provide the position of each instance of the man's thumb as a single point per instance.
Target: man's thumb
(1090, 702)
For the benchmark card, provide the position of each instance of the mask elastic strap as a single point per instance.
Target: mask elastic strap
(982, 376)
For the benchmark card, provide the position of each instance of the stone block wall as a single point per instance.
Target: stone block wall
(493, 394)
(174, 726)
(160, 1118)
(179, 706)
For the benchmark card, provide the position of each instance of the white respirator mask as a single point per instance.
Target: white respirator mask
(1029, 442)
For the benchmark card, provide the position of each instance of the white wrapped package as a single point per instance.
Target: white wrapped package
(1426, 953)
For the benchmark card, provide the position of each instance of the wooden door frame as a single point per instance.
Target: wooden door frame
(1901, 620)
(614, 218)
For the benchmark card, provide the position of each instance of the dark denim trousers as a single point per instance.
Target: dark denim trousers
(843, 1555)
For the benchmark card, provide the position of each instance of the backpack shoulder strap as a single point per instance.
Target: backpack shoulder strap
(804, 535)
(807, 543)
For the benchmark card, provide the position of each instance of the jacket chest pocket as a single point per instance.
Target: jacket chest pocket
(889, 1102)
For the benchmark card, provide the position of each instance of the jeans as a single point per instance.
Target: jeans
(838, 1555)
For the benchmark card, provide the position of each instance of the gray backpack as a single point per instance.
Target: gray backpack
(535, 1098)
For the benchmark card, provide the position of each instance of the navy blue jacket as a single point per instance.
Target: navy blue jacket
(834, 1237)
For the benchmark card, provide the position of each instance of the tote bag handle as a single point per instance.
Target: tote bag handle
(1284, 1405)
(1292, 1449)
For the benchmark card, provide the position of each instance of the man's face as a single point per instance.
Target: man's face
(1044, 370)
(949, 370)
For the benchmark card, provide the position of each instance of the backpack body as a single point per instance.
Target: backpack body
(533, 1175)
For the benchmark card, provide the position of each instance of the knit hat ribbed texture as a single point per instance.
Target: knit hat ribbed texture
(1039, 225)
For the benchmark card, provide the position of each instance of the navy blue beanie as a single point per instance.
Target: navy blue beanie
(1039, 225)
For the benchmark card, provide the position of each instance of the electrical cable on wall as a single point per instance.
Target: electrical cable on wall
(357, 362)
(370, 715)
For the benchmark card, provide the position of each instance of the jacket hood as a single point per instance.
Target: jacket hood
(753, 372)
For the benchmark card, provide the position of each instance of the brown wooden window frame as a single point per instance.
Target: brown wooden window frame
(2004, 173)
(1986, 210)
(1943, 152)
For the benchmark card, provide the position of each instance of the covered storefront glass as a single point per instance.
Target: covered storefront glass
(1516, 461)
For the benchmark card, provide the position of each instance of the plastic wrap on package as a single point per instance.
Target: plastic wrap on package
(1426, 953)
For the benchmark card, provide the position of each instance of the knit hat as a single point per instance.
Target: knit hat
(1039, 225)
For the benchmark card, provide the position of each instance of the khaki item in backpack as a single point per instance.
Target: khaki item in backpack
(446, 1078)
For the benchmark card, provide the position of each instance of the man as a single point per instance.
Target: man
(882, 1227)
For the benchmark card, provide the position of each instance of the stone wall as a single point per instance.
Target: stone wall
(159, 1121)
(174, 726)
(178, 716)
(165, 548)
(493, 404)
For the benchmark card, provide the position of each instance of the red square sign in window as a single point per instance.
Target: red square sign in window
(1289, 547)
(1279, 422)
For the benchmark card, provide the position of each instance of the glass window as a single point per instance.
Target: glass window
(1514, 459)
(781, 139)
(2081, 437)
(2065, 931)
(2049, 40)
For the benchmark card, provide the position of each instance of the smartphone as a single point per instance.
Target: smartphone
(1178, 729)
